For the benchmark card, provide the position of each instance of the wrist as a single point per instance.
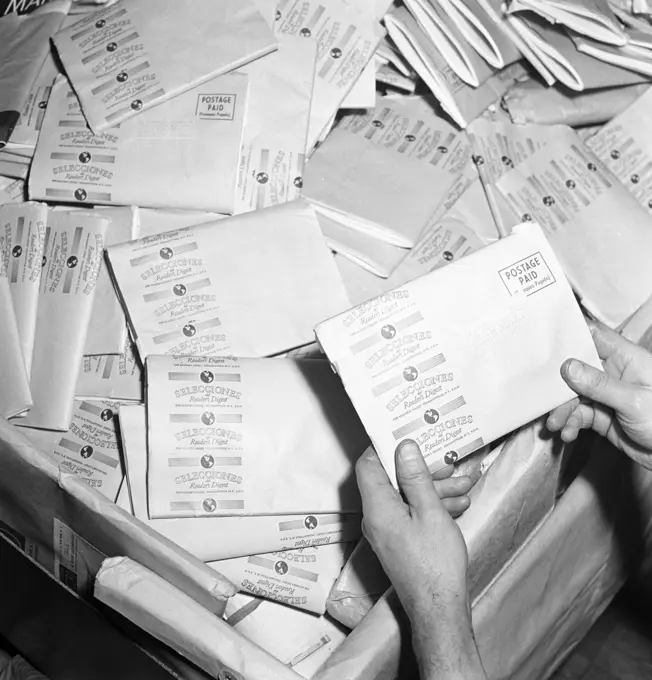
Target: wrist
(445, 647)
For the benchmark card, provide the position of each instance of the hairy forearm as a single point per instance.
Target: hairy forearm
(445, 647)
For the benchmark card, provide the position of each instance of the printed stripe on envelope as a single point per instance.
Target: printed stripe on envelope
(189, 330)
(87, 451)
(204, 376)
(408, 375)
(207, 418)
(136, 105)
(80, 195)
(470, 447)
(122, 77)
(281, 567)
(110, 47)
(387, 332)
(165, 253)
(208, 505)
(105, 19)
(312, 522)
(206, 461)
(177, 290)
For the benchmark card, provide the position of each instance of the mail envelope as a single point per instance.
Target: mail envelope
(218, 538)
(250, 285)
(459, 357)
(222, 442)
(133, 56)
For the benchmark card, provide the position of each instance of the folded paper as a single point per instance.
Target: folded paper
(74, 242)
(300, 578)
(461, 101)
(24, 225)
(458, 375)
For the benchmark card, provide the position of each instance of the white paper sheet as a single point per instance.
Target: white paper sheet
(130, 57)
(363, 92)
(153, 221)
(300, 578)
(217, 538)
(251, 285)
(74, 241)
(222, 443)
(461, 101)
(24, 227)
(459, 374)
(181, 154)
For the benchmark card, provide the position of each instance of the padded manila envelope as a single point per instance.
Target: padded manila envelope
(251, 285)
(249, 437)
(133, 56)
(24, 224)
(460, 357)
(300, 578)
(182, 154)
(219, 538)
(74, 242)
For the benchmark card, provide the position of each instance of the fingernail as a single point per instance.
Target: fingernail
(408, 450)
(574, 369)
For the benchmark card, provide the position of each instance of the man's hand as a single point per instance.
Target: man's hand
(424, 555)
(615, 402)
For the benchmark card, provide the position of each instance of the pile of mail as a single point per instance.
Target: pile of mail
(239, 240)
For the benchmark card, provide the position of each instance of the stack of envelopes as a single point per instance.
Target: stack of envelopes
(242, 240)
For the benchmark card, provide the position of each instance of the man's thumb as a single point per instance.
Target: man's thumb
(597, 385)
